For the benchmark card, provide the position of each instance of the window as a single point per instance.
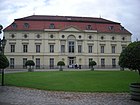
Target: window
(102, 37)
(51, 36)
(102, 62)
(123, 38)
(89, 27)
(113, 37)
(123, 47)
(62, 48)
(79, 48)
(71, 46)
(80, 36)
(25, 36)
(90, 37)
(113, 62)
(90, 49)
(12, 48)
(37, 63)
(51, 63)
(26, 25)
(102, 49)
(122, 28)
(12, 63)
(113, 49)
(63, 36)
(25, 48)
(38, 36)
(111, 27)
(51, 48)
(14, 25)
(24, 61)
(38, 48)
(13, 36)
(52, 26)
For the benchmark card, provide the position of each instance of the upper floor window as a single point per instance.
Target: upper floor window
(102, 37)
(13, 48)
(102, 49)
(71, 46)
(38, 48)
(113, 49)
(90, 37)
(89, 27)
(52, 26)
(26, 25)
(90, 49)
(14, 25)
(25, 35)
(51, 48)
(63, 36)
(123, 38)
(62, 48)
(38, 36)
(13, 36)
(25, 48)
(113, 38)
(79, 48)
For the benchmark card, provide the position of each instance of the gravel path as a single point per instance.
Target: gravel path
(25, 96)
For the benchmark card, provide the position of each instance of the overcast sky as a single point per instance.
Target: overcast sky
(125, 12)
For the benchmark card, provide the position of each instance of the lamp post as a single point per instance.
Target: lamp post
(2, 46)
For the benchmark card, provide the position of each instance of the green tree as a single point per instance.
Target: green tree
(4, 63)
(30, 63)
(61, 63)
(130, 57)
(92, 64)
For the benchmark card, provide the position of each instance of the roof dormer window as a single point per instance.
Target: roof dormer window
(111, 27)
(14, 25)
(89, 27)
(52, 26)
(26, 25)
(122, 28)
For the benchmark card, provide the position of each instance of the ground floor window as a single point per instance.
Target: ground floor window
(51, 63)
(102, 62)
(12, 63)
(24, 61)
(113, 62)
(38, 63)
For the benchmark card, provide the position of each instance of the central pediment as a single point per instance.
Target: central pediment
(71, 29)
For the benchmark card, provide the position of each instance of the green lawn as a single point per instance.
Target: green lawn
(83, 81)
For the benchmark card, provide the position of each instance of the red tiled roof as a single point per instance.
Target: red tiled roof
(41, 22)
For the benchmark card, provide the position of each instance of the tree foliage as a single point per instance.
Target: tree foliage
(91, 64)
(3, 61)
(130, 56)
(61, 63)
(30, 63)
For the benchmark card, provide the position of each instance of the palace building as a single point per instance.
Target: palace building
(74, 40)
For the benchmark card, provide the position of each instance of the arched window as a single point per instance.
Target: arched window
(52, 26)
(71, 44)
(14, 25)
(89, 27)
(26, 25)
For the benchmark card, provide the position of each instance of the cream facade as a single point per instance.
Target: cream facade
(71, 45)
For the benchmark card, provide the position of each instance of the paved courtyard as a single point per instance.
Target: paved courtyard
(25, 96)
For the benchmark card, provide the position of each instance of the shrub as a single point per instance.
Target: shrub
(30, 63)
(61, 63)
(91, 64)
